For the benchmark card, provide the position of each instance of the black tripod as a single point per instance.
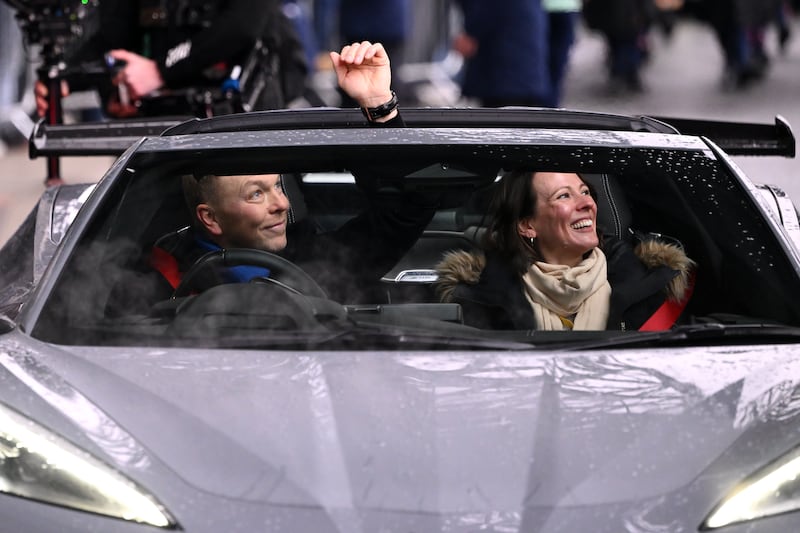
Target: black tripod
(51, 77)
(55, 25)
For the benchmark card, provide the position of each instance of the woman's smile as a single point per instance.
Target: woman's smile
(564, 224)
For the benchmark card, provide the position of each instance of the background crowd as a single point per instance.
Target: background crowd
(515, 52)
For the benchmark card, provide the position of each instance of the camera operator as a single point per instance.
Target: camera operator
(160, 48)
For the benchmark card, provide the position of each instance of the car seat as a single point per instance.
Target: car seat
(613, 213)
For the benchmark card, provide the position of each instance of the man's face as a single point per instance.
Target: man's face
(247, 212)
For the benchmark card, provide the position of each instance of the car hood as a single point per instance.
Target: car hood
(460, 439)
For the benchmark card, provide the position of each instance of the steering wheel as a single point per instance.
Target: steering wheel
(283, 273)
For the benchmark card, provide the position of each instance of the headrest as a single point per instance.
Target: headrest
(613, 213)
(297, 205)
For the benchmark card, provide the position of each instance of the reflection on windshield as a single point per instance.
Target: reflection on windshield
(342, 240)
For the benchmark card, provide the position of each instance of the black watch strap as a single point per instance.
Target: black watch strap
(374, 113)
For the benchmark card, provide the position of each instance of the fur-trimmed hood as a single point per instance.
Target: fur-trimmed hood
(654, 253)
(461, 266)
(458, 266)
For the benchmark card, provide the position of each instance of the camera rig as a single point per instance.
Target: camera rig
(55, 25)
(60, 27)
(57, 28)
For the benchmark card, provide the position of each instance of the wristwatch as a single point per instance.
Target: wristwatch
(374, 113)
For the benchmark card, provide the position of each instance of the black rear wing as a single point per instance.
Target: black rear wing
(740, 138)
(114, 137)
(94, 138)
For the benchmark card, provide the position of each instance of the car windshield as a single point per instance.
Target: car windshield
(371, 285)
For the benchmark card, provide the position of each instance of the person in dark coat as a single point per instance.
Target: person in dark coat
(625, 24)
(252, 211)
(385, 21)
(167, 46)
(562, 18)
(504, 45)
(543, 265)
(739, 26)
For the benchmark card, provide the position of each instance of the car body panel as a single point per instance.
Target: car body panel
(55, 212)
(448, 438)
(783, 209)
(399, 138)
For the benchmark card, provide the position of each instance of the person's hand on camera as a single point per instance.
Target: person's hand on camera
(362, 70)
(140, 75)
(42, 93)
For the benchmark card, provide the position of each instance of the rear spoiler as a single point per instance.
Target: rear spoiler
(740, 138)
(94, 138)
(114, 137)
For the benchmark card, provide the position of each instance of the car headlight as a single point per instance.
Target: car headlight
(37, 464)
(771, 490)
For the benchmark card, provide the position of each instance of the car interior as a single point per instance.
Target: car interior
(742, 274)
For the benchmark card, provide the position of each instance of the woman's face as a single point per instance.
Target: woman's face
(564, 225)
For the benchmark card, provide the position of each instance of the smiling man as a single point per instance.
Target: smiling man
(243, 211)
(251, 211)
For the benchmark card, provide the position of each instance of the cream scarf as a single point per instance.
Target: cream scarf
(556, 291)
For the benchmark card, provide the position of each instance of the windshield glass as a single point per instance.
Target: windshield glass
(550, 248)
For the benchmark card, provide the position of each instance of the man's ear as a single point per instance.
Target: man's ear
(526, 229)
(207, 217)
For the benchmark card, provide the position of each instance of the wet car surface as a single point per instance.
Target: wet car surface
(251, 407)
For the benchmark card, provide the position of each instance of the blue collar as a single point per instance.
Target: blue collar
(235, 274)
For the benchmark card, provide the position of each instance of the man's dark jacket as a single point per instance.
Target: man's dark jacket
(347, 262)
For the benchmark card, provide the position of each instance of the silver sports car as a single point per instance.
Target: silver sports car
(337, 391)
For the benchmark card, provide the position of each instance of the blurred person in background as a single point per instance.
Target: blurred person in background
(342, 22)
(739, 26)
(666, 15)
(299, 14)
(625, 24)
(11, 57)
(562, 16)
(11, 75)
(783, 20)
(505, 51)
(163, 46)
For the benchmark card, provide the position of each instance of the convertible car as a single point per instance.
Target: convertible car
(336, 399)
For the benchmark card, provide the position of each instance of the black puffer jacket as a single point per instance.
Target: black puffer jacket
(492, 296)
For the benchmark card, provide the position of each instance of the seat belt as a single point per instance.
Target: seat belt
(167, 265)
(666, 315)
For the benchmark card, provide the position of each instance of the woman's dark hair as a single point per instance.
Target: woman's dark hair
(514, 199)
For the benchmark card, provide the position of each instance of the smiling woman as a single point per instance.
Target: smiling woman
(544, 265)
